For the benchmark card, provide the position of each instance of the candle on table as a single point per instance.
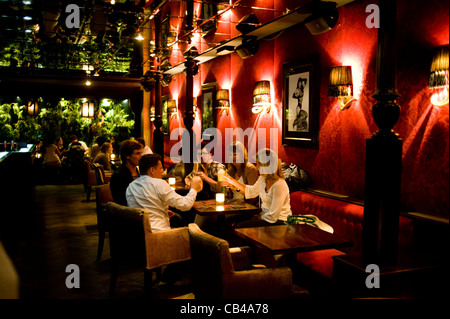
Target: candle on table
(172, 180)
(220, 198)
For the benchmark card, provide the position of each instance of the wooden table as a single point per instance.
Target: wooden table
(283, 239)
(207, 210)
(209, 207)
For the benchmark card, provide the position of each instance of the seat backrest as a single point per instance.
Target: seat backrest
(126, 233)
(102, 198)
(211, 260)
(99, 173)
(164, 247)
(90, 178)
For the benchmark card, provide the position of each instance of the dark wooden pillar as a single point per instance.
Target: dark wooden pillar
(383, 152)
(158, 135)
(189, 108)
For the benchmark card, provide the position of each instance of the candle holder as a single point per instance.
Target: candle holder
(172, 181)
(220, 198)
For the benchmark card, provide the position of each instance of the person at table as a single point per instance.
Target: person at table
(271, 188)
(51, 154)
(103, 157)
(146, 149)
(240, 169)
(208, 171)
(128, 171)
(60, 144)
(178, 169)
(151, 192)
(95, 149)
(75, 141)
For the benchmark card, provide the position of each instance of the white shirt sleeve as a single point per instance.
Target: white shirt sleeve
(252, 191)
(175, 200)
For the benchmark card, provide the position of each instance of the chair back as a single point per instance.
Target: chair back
(99, 173)
(126, 233)
(102, 198)
(90, 178)
(165, 247)
(211, 261)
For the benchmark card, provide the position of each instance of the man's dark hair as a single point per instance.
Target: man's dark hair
(141, 140)
(148, 161)
(127, 147)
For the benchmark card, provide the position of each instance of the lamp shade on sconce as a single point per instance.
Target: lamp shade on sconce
(341, 81)
(152, 113)
(223, 100)
(341, 86)
(438, 80)
(87, 109)
(261, 97)
(33, 108)
(172, 107)
(439, 68)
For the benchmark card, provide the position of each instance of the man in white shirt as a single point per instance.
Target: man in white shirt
(151, 192)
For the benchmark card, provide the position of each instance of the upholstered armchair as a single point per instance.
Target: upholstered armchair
(132, 240)
(215, 275)
(126, 238)
(164, 247)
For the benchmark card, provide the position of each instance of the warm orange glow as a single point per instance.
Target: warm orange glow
(440, 98)
(357, 74)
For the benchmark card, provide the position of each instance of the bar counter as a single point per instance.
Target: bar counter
(16, 196)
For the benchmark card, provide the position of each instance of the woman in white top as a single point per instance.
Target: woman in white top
(271, 188)
(51, 155)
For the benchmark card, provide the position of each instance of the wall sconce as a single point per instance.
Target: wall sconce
(223, 100)
(87, 109)
(261, 97)
(139, 37)
(152, 113)
(439, 76)
(88, 68)
(172, 108)
(194, 106)
(33, 108)
(341, 86)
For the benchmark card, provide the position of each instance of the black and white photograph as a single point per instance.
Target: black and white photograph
(300, 107)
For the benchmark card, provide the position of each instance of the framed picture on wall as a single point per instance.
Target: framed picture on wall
(165, 116)
(208, 103)
(301, 103)
(209, 10)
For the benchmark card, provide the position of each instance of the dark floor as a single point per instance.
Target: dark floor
(62, 230)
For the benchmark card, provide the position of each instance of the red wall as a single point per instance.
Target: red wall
(339, 163)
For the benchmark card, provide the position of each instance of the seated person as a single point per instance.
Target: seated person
(95, 149)
(208, 170)
(103, 156)
(130, 154)
(178, 170)
(271, 188)
(74, 141)
(146, 150)
(51, 155)
(240, 169)
(151, 192)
